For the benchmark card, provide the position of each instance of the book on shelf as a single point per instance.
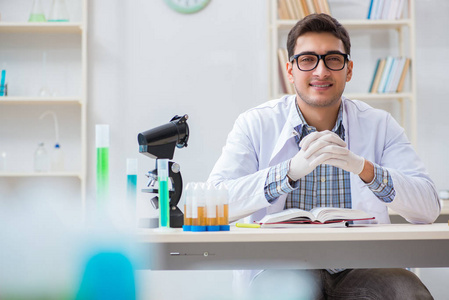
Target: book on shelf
(283, 10)
(287, 86)
(295, 217)
(386, 9)
(311, 6)
(298, 9)
(375, 77)
(385, 74)
(389, 75)
(403, 75)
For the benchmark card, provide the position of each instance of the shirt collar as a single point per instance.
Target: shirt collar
(304, 129)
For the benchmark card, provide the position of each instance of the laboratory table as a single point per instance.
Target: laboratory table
(367, 246)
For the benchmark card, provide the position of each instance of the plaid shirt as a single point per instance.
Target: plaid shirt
(326, 185)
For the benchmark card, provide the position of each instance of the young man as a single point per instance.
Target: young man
(318, 148)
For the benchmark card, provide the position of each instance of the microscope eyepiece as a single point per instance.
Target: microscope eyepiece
(160, 142)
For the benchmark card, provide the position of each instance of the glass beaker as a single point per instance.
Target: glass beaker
(37, 13)
(58, 12)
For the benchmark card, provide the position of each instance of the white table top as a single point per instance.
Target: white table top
(354, 233)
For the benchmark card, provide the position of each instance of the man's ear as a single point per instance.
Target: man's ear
(289, 67)
(349, 74)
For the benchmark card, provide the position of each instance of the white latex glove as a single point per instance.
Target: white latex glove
(339, 156)
(347, 161)
(316, 148)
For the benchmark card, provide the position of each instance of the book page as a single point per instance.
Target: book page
(291, 214)
(324, 214)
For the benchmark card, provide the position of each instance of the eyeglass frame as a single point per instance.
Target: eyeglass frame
(320, 57)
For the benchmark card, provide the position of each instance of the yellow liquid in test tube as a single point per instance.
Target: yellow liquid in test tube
(212, 221)
(223, 216)
(187, 215)
(201, 216)
(200, 220)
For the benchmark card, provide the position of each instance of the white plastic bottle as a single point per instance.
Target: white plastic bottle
(41, 163)
(57, 159)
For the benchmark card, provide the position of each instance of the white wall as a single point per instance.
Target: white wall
(149, 63)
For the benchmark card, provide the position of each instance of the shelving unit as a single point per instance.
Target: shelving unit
(23, 103)
(405, 34)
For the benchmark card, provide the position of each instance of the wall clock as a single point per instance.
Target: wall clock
(187, 6)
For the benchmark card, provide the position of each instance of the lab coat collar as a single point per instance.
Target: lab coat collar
(287, 134)
(345, 118)
(293, 120)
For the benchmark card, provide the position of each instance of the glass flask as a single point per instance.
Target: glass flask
(58, 12)
(37, 13)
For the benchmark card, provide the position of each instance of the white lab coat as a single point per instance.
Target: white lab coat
(264, 136)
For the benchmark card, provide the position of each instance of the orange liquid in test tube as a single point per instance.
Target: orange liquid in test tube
(212, 221)
(187, 215)
(201, 216)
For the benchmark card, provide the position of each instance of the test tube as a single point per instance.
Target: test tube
(199, 208)
(131, 185)
(211, 205)
(223, 208)
(102, 144)
(164, 201)
(188, 207)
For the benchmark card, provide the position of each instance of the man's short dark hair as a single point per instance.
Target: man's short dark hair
(318, 23)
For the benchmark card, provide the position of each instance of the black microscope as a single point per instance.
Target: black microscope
(160, 143)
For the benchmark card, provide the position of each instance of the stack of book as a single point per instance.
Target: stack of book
(389, 75)
(298, 9)
(286, 85)
(386, 9)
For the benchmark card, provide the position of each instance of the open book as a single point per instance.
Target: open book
(293, 217)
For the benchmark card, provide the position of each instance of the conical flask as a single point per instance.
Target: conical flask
(37, 13)
(58, 12)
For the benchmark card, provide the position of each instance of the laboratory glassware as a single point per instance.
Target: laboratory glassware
(41, 159)
(164, 200)
(102, 145)
(58, 12)
(188, 207)
(37, 13)
(131, 185)
(57, 159)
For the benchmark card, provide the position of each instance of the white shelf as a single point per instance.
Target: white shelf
(377, 96)
(43, 174)
(357, 24)
(374, 96)
(40, 100)
(44, 27)
(73, 105)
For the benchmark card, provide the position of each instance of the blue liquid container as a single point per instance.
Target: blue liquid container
(164, 200)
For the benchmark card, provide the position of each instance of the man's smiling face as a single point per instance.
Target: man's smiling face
(319, 87)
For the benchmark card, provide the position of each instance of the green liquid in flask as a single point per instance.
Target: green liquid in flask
(102, 175)
(37, 18)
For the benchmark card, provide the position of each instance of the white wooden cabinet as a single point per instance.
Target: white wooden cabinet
(36, 54)
(371, 40)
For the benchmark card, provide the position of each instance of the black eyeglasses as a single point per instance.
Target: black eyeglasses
(334, 61)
